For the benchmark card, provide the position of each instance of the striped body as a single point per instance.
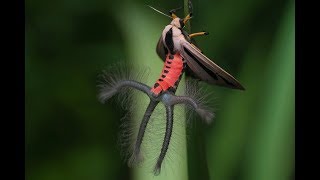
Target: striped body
(171, 74)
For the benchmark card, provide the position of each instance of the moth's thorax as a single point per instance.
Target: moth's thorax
(176, 22)
(175, 31)
(172, 34)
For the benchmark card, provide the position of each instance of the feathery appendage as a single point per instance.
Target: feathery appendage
(122, 81)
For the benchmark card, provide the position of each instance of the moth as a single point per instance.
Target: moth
(175, 39)
(176, 48)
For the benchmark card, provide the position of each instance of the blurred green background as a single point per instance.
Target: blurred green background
(70, 135)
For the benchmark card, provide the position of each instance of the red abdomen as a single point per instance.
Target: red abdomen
(171, 74)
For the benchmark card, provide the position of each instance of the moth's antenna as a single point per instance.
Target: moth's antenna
(159, 11)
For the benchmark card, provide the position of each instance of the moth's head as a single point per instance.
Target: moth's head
(178, 22)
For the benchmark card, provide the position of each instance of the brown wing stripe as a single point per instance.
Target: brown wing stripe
(212, 74)
(226, 81)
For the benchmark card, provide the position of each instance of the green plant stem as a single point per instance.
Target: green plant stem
(142, 33)
(186, 12)
(197, 160)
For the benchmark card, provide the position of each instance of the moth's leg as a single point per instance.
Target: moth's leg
(136, 158)
(187, 18)
(198, 34)
(166, 141)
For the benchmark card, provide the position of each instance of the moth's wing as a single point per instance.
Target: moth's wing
(205, 69)
(161, 49)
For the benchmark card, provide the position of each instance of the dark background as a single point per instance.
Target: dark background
(70, 135)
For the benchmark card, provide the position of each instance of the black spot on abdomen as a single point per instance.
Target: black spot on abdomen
(156, 85)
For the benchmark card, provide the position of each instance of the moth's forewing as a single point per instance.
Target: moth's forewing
(205, 69)
(161, 50)
(200, 66)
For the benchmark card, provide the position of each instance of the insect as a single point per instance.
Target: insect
(179, 54)
(175, 39)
